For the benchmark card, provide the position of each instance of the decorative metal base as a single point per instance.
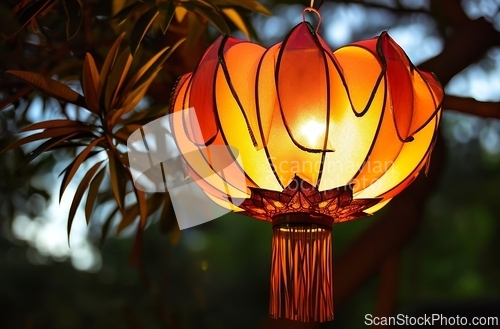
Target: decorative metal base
(301, 270)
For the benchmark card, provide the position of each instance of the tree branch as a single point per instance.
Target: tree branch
(388, 287)
(472, 106)
(467, 43)
(397, 10)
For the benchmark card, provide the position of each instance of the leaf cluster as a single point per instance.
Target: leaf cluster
(106, 82)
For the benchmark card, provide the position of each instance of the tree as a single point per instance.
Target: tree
(106, 68)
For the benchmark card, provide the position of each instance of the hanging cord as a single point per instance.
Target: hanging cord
(319, 6)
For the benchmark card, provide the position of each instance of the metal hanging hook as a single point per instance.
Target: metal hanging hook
(311, 9)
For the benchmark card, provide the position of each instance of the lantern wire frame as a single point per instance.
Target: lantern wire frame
(300, 101)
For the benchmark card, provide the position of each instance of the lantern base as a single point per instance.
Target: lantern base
(301, 270)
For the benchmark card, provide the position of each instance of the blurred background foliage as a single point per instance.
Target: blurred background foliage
(435, 249)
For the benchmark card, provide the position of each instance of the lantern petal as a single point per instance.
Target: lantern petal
(399, 71)
(233, 94)
(287, 158)
(239, 66)
(427, 100)
(202, 89)
(284, 156)
(178, 95)
(266, 100)
(415, 95)
(412, 158)
(217, 167)
(302, 83)
(352, 136)
(303, 137)
(360, 91)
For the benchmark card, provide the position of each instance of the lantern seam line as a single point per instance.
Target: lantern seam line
(259, 119)
(276, 75)
(216, 112)
(383, 36)
(375, 137)
(222, 63)
(191, 81)
(184, 127)
(328, 109)
(198, 145)
(346, 87)
(438, 107)
(428, 152)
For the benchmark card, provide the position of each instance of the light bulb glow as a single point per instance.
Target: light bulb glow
(312, 130)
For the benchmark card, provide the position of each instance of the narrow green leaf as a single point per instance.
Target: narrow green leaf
(51, 87)
(124, 132)
(82, 187)
(144, 117)
(74, 14)
(116, 77)
(129, 216)
(133, 98)
(49, 133)
(91, 84)
(133, 81)
(109, 63)
(247, 4)
(238, 21)
(213, 17)
(44, 147)
(68, 175)
(57, 123)
(260, 8)
(151, 67)
(141, 27)
(167, 11)
(92, 195)
(117, 177)
(152, 203)
(157, 65)
(128, 11)
(196, 29)
(70, 143)
(180, 13)
(68, 167)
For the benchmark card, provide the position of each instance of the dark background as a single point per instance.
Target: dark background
(435, 249)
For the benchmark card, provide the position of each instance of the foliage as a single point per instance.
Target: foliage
(112, 95)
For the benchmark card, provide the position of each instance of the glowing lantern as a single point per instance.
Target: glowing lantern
(324, 137)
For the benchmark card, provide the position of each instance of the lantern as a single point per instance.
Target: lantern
(324, 137)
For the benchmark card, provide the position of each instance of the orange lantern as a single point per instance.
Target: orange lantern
(324, 137)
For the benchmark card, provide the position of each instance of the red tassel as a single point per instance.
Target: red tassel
(301, 273)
